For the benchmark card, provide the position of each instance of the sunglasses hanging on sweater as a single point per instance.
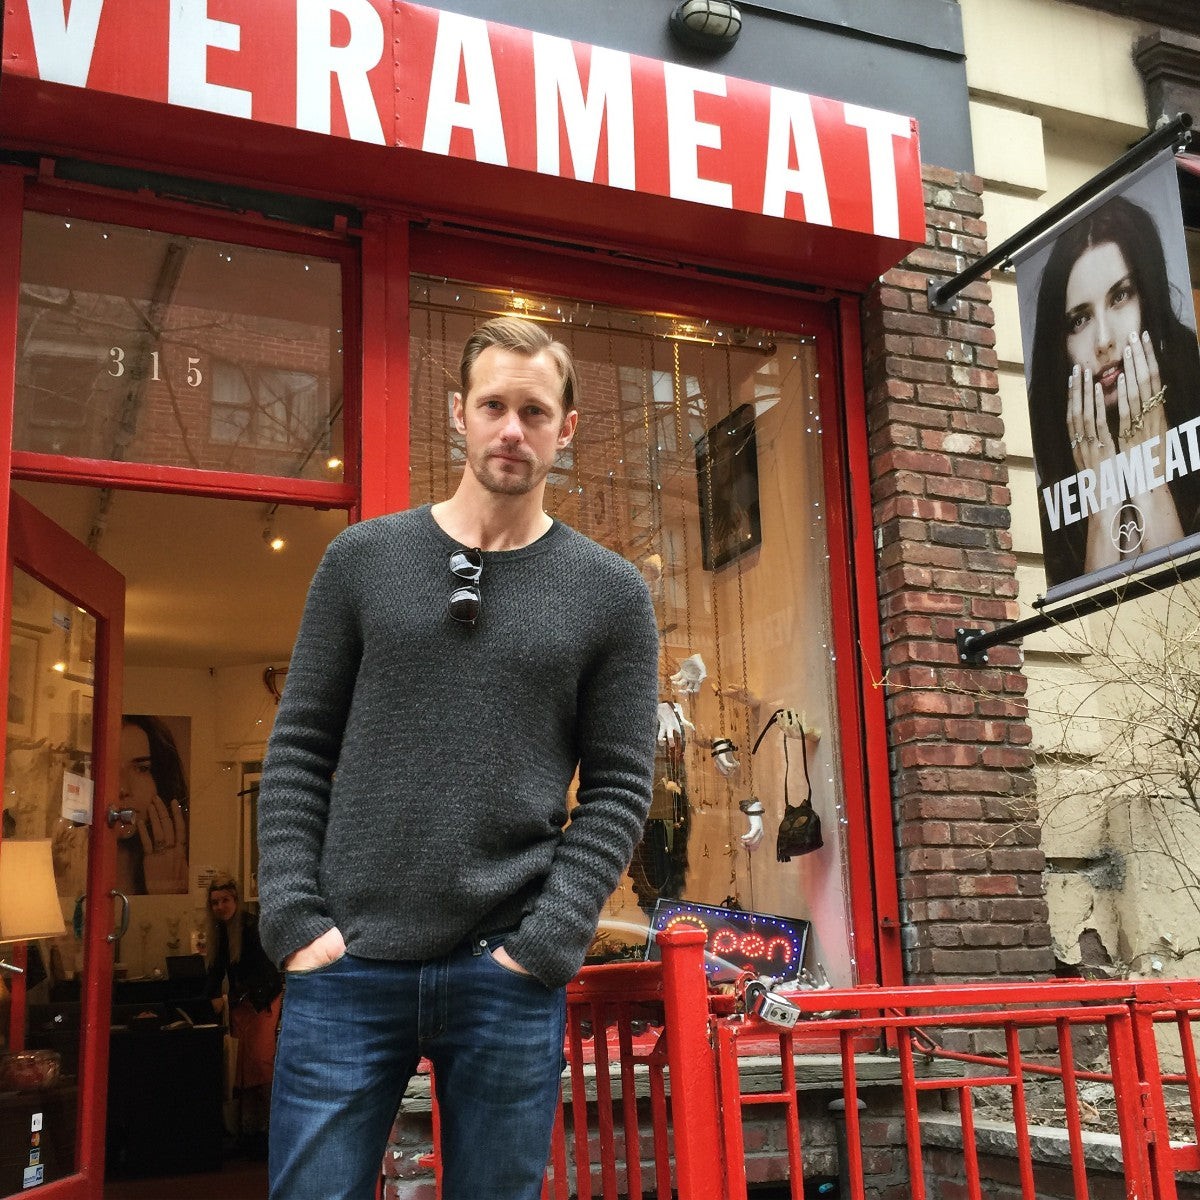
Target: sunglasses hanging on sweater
(467, 566)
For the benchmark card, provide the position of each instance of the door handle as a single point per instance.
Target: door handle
(120, 816)
(123, 924)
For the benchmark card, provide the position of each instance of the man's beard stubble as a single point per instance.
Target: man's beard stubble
(509, 484)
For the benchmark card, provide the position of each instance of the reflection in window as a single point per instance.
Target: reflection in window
(150, 347)
(264, 406)
(692, 434)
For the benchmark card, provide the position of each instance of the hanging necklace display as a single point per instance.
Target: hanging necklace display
(446, 430)
(608, 499)
(644, 552)
(660, 860)
(723, 747)
(434, 409)
(800, 829)
(681, 440)
(752, 807)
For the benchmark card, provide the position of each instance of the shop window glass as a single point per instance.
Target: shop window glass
(142, 346)
(733, 546)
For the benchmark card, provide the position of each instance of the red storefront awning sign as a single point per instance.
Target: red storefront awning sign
(408, 76)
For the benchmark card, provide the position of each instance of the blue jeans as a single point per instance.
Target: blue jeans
(351, 1037)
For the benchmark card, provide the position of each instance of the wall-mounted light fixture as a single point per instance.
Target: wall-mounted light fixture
(709, 25)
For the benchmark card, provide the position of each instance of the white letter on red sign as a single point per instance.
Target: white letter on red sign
(685, 135)
(64, 45)
(881, 127)
(792, 124)
(610, 89)
(192, 32)
(317, 61)
(464, 40)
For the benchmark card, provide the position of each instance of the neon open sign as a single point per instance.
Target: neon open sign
(736, 941)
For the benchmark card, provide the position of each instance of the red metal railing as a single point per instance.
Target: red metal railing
(635, 1028)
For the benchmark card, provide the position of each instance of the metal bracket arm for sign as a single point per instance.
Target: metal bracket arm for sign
(973, 644)
(1175, 133)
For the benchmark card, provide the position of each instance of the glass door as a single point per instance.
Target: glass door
(61, 822)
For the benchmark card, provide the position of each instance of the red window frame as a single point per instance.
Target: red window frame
(140, 213)
(491, 260)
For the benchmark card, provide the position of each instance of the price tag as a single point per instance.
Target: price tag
(77, 798)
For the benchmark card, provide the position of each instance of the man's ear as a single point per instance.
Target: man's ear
(457, 410)
(567, 432)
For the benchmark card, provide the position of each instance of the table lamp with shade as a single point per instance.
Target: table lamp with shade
(29, 910)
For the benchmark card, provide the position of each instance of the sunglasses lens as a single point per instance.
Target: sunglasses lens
(467, 564)
(464, 604)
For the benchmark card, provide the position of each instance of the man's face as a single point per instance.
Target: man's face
(513, 420)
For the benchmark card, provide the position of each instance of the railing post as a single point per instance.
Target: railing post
(1154, 1111)
(695, 1116)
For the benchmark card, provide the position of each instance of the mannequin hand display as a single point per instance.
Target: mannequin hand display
(329, 947)
(753, 837)
(691, 674)
(753, 811)
(722, 752)
(163, 834)
(794, 725)
(671, 722)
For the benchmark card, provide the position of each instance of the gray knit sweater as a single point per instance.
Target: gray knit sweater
(454, 747)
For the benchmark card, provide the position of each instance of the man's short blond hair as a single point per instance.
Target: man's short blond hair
(522, 337)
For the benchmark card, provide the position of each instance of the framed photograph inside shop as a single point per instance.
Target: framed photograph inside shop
(23, 650)
(81, 658)
(32, 602)
(727, 476)
(79, 721)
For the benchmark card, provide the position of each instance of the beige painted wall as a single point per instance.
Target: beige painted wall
(1055, 96)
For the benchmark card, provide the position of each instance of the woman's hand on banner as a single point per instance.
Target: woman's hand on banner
(1087, 422)
(1140, 395)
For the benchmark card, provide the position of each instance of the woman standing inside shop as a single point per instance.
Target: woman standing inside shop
(1113, 366)
(254, 998)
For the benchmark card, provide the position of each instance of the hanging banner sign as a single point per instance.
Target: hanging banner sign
(404, 75)
(1113, 377)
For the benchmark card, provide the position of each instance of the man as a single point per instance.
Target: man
(454, 665)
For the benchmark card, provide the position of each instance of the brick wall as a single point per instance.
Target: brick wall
(961, 768)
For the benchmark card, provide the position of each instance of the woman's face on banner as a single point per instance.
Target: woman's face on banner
(1102, 309)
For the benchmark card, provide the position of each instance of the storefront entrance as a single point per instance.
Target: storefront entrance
(210, 616)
